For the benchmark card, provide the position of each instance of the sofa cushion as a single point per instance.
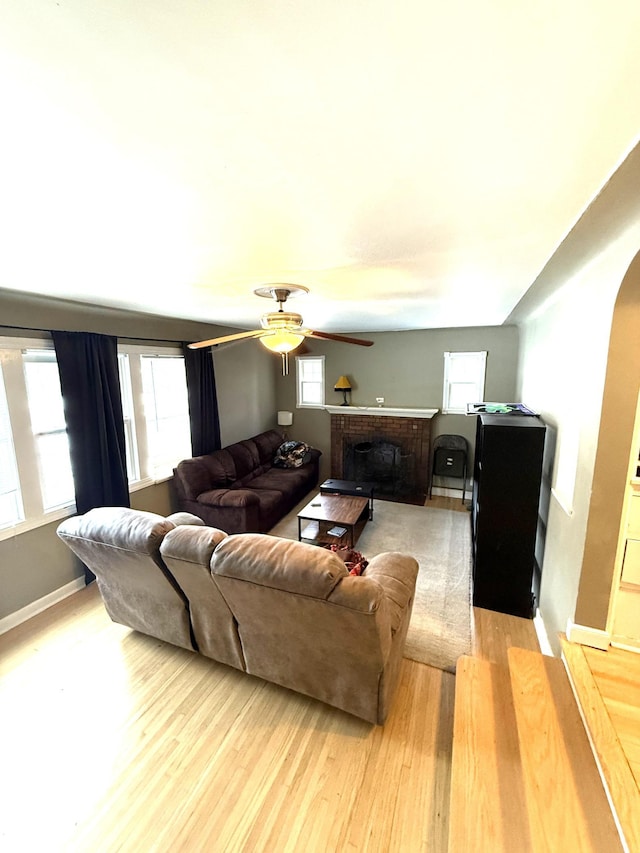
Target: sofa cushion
(267, 443)
(245, 458)
(284, 481)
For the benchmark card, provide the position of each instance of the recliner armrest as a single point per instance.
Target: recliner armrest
(192, 545)
(189, 518)
(396, 573)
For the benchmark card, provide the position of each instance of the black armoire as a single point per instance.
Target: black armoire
(504, 511)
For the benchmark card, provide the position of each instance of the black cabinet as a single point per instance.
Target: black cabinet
(504, 511)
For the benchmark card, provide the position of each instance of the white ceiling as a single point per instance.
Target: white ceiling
(415, 164)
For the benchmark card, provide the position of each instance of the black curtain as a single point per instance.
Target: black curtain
(88, 366)
(203, 402)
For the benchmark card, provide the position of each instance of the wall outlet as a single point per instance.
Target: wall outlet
(380, 401)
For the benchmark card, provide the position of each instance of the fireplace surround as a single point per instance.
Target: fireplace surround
(393, 451)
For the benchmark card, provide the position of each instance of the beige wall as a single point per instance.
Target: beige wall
(406, 368)
(565, 322)
(36, 563)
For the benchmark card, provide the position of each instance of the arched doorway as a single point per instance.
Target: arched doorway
(598, 577)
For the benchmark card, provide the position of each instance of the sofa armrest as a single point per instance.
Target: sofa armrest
(229, 498)
(396, 573)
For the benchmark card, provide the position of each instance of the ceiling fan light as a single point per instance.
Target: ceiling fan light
(281, 341)
(281, 320)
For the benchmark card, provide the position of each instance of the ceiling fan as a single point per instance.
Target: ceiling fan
(281, 330)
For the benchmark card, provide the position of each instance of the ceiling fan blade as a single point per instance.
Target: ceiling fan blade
(310, 333)
(257, 333)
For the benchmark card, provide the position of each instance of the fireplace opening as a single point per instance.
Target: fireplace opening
(387, 465)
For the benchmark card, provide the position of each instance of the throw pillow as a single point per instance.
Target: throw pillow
(354, 562)
(292, 454)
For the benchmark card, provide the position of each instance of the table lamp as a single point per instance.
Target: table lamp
(343, 385)
(285, 419)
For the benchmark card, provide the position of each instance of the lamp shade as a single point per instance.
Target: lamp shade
(342, 384)
(280, 340)
(285, 418)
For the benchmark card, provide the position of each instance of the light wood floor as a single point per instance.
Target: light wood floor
(445, 502)
(617, 676)
(111, 740)
(607, 684)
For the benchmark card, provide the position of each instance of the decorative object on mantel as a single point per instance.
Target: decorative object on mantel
(343, 385)
(281, 331)
(285, 419)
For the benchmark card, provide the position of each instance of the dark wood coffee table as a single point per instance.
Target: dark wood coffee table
(350, 487)
(335, 513)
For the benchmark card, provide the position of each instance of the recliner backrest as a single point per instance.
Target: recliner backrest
(121, 546)
(303, 621)
(187, 551)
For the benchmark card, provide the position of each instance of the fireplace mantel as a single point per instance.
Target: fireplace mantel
(382, 411)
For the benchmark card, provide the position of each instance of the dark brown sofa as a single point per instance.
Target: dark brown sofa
(281, 610)
(238, 489)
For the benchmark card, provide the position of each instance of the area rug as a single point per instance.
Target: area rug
(440, 540)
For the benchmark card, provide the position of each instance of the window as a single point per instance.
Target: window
(166, 411)
(155, 408)
(48, 427)
(11, 511)
(126, 396)
(36, 482)
(310, 381)
(464, 374)
(36, 485)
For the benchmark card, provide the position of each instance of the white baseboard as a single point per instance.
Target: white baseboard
(593, 637)
(543, 636)
(20, 616)
(628, 646)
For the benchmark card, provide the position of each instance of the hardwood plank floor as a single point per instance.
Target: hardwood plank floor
(112, 740)
(607, 743)
(115, 741)
(566, 802)
(446, 502)
(617, 676)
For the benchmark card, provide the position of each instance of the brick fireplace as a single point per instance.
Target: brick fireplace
(391, 450)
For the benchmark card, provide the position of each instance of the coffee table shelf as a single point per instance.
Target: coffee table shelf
(328, 512)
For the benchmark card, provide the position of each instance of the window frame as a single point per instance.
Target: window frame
(136, 352)
(320, 383)
(34, 514)
(13, 488)
(30, 492)
(478, 380)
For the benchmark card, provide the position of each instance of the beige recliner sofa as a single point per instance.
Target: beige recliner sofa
(285, 611)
